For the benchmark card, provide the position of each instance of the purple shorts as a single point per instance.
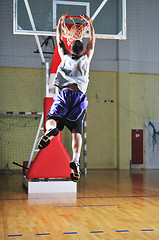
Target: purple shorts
(68, 107)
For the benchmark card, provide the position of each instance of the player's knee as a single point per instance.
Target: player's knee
(50, 124)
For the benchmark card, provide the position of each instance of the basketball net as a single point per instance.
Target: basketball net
(74, 31)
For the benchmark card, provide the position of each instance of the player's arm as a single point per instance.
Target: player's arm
(91, 44)
(61, 45)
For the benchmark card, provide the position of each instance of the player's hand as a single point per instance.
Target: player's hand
(85, 17)
(64, 16)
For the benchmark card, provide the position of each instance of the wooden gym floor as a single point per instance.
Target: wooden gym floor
(110, 205)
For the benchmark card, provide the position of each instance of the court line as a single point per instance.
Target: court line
(67, 233)
(42, 234)
(15, 235)
(84, 206)
(147, 230)
(96, 232)
(131, 196)
(70, 233)
(122, 230)
(138, 196)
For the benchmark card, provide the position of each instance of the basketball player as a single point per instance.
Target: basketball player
(69, 106)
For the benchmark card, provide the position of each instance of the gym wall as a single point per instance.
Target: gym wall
(122, 93)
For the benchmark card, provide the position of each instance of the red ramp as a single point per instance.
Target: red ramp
(52, 161)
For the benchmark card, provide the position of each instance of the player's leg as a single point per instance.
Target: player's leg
(54, 122)
(51, 131)
(50, 123)
(76, 128)
(76, 149)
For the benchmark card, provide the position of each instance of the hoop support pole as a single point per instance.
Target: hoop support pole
(47, 79)
(85, 144)
(35, 141)
(99, 9)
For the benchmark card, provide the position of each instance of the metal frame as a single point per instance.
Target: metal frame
(85, 4)
(35, 142)
(121, 35)
(32, 25)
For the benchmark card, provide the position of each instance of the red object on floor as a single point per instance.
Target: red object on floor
(52, 161)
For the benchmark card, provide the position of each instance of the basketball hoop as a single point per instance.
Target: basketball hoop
(74, 31)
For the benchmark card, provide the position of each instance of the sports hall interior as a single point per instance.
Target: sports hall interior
(123, 93)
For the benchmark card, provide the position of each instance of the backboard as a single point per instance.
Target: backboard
(40, 17)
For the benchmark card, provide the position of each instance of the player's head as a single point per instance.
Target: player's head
(77, 48)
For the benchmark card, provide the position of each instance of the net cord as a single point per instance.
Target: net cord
(75, 31)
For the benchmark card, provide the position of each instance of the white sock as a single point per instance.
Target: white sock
(76, 156)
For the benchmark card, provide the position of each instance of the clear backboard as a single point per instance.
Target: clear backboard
(40, 17)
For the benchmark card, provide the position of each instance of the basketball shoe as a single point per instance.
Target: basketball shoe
(45, 139)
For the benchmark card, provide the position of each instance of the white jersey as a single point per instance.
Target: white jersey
(73, 71)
